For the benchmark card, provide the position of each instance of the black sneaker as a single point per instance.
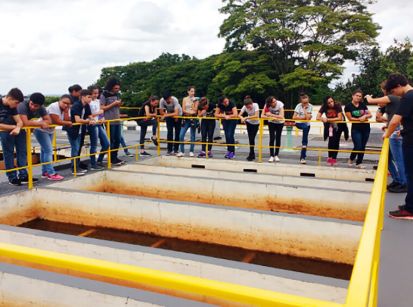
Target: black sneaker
(399, 188)
(118, 163)
(251, 158)
(145, 153)
(97, 168)
(154, 141)
(15, 181)
(393, 184)
(25, 179)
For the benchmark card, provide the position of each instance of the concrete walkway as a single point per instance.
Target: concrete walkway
(396, 267)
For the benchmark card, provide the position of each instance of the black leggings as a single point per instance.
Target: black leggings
(207, 132)
(334, 143)
(252, 133)
(275, 136)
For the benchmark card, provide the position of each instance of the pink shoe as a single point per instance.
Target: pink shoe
(329, 160)
(55, 177)
(333, 162)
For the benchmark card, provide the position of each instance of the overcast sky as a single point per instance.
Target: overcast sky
(48, 45)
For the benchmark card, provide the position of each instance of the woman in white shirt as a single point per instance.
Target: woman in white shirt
(274, 111)
(303, 111)
(190, 109)
(252, 122)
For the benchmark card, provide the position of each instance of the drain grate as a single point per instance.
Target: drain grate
(197, 166)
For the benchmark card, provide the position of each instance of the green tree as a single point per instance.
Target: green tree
(307, 41)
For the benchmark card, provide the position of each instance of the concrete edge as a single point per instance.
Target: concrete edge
(304, 277)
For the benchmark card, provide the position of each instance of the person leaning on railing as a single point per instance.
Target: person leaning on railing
(12, 136)
(227, 111)
(333, 113)
(80, 114)
(148, 110)
(34, 114)
(274, 111)
(389, 104)
(169, 107)
(357, 111)
(206, 108)
(303, 111)
(398, 85)
(252, 110)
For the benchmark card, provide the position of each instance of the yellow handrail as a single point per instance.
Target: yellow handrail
(167, 280)
(364, 279)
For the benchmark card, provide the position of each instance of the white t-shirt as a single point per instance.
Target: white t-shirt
(251, 112)
(95, 108)
(53, 109)
(300, 111)
(276, 111)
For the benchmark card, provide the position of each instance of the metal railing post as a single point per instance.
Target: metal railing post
(29, 158)
(54, 146)
(110, 145)
(158, 134)
(260, 140)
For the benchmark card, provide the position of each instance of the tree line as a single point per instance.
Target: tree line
(275, 47)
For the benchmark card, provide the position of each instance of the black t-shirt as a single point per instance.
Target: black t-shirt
(210, 111)
(406, 112)
(80, 110)
(357, 112)
(227, 110)
(6, 114)
(392, 107)
(331, 112)
(142, 111)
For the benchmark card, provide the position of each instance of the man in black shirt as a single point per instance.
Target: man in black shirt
(12, 136)
(398, 85)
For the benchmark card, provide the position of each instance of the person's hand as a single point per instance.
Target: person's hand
(362, 118)
(226, 116)
(44, 125)
(398, 133)
(69, 124)
(324, 120)
(15, 131)
(383, 128)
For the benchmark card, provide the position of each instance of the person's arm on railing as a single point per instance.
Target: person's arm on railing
(14, 129)
(44, 123)
(79, 120)
(105, 107)
(58, 121)
(380, 100)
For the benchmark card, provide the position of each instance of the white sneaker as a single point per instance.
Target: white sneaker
(271, 159)
(302, 161)
(277, 159)
(180, 154)
(360, 166)
(191, 154)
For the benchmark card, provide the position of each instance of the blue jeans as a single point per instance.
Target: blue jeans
(408, 163)
(103, 139)
(46, 150)
(8, 143)
(396, 162)
(144, 124)
(115, 136)
(74, 141)
(304, 141)
(360, 136)
(94, 135)
(229, 130)
(184, 128)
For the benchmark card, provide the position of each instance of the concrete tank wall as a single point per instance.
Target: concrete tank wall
(217, 269)
(301, 236)
(328, 184)
(314, 201)
(266, 168)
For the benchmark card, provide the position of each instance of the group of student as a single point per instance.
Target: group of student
(84, 110)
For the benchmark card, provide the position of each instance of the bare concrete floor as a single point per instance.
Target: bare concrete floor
(396, 266)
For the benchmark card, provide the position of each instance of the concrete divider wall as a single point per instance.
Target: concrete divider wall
(223, 270)
(328, 184)
(330, 240)
(252, 195)
(17, 208)
(266, 168)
